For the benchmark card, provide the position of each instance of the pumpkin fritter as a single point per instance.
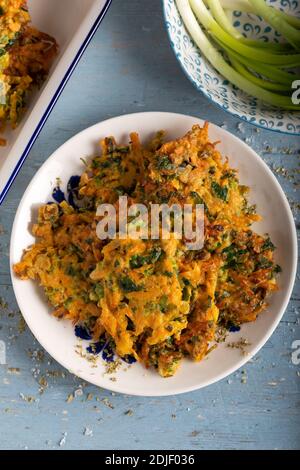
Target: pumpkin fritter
(26, 55)
(155, 300)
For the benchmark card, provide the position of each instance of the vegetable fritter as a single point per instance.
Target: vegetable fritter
(26, 55)
(155, 300)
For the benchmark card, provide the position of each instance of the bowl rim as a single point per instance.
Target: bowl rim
(202, 90)
(243, 359)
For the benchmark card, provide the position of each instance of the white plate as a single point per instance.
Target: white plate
(58, 338)
(73, 24)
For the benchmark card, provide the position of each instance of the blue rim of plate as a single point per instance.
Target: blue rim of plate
(54, 99)
(206, 94)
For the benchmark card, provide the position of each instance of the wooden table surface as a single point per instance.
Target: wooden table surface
(129, 67)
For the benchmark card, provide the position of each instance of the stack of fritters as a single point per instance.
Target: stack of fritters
(156, 300)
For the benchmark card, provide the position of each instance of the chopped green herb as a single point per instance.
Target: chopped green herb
(268, 245)
(163, 303)
(130, 324)
(110, 144)
(220, 191)
(263, 263)
(197, 198)
(185, 293)
(96, 163)
(99, 291)
(137, 261)
(128, 285)
(168, 274)
(277, 269)
(71, 271)
(164, 163)
(122, 149)
(120, 190)
(250, 209)
(208, 303)
(233, 255)
(110, 161)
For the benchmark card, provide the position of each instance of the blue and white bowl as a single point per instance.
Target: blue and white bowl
(213, 85)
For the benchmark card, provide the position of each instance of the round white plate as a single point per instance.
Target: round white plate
(57, 336)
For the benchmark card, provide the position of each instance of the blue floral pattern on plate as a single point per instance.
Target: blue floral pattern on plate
(215, 87)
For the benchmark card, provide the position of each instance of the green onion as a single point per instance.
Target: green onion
(220, 16)
(246, 7)
(268, 85)
(279, 24)
(268, 71)
(209, 50)
(214, 29)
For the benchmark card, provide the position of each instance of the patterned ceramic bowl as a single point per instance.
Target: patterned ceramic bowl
(213, 85)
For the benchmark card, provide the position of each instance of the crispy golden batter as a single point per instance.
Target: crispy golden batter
(155, 300)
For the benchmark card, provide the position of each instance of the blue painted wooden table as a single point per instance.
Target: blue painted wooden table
(130, 67)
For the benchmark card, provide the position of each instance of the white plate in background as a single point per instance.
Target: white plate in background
(57, 336)
(72, 23)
